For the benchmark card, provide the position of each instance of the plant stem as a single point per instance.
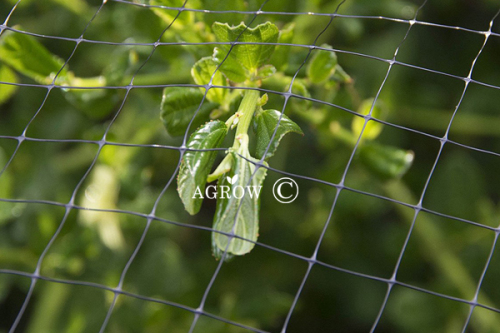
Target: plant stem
(246, 111)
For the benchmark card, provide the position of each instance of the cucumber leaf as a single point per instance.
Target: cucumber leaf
(373, 128)
(230, 67)
(202, 72)
(29, 57)
(7, 90)
(196, 165)
(250, 56)
(178, 107)
(242, 213)
(265, 72)
(264, 124)
(322, 65)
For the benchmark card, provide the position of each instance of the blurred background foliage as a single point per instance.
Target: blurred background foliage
(174, 264)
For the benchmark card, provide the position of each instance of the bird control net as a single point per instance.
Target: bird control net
(475, 312)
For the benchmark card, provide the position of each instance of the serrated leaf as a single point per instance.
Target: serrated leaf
(321, 65)
(28, 56)
(386, 161)
(196, 165)
(178, 106)
(265, 123)
(250, 56)
(373, 128)
(202, 72)
(7, 90)
(230, 67)
(242, 213)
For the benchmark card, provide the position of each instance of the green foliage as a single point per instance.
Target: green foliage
(230, 66)
(96, 103)
(248, 64)
(265, 123)
(196, 164)
(373, 128)
(241, 211)
(179, 106)
(168, 15)
(265, 72)
(202, 72)
(386, 161)
(6, 90)
(27, 56)
(245, 63)
(281, 54)
(322, 65)
(249, 57)
(174, 262)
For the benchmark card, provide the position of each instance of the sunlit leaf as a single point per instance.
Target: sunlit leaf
(242, 213)
(95, 103)
(202, 72)
(321, 65)
(196, 165)
(230, 66)
(102, 193)
(250, 56)
(300, 89)
(7, 90)
(178, 107)
(265, 71)
(28, 56)
(169, 15)
(265, 123)
(373, 128)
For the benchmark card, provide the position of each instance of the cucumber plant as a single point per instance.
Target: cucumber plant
(245, 67)
(260, 61)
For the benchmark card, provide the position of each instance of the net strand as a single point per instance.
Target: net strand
(258, 165)
(319, 181)
(149, 218)
(129, 294)
(418, 209)
(201, 306)
(7, 18)
(495, 240)
(58, 230)
(339, 187)
(260, 12)
(183, 43)
(27, 138)
(341, 184)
